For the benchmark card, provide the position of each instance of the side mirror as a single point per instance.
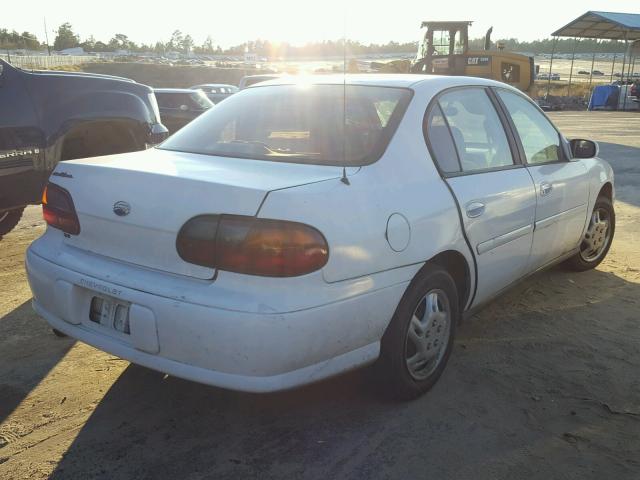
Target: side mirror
(583, 148)
(184, 108)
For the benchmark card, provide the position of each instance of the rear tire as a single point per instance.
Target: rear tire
(418, 341)
(58, 333)
(8, 220)
(597, 239)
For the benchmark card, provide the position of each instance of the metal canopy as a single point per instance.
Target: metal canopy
(603, 25)
(446, 25)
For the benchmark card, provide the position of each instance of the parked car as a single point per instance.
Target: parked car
(545, 76)
(268, 244)
(249, 80)
(179, 106)
(597, 73)
(216, 92)
(583, 72)
(48, 116)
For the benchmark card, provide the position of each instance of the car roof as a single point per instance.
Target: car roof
(173, 90)
(403, 80)
(214, 85)
(266, 75)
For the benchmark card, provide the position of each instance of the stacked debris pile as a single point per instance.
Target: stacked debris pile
(554, 102)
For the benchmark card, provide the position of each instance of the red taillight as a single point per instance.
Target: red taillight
(58, 209)
(255, 246)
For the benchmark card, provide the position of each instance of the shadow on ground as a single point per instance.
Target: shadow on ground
(543, 383)
(29, 352)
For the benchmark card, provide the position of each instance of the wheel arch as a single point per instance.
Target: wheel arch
(606, 191)
(457, 265)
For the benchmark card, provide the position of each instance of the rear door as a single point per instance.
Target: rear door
(562, 184)
(495, 193)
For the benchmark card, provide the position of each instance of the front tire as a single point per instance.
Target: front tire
(8, 220)
(597, 239)
(418, 342)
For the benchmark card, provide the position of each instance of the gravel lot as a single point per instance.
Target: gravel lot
(543, 383)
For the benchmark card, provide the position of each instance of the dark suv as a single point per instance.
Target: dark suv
(47, 116)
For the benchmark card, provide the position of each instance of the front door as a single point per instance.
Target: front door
(562, 184)
(495, 194)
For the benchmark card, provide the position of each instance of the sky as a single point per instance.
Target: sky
(297, 22)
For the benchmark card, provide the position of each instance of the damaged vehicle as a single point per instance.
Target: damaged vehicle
(48, 116)
(300, 230)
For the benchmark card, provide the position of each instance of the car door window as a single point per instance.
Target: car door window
(477, 131)
(438, 136)
(540, 140)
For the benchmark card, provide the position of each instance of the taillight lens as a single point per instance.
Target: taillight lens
(254, 246)
(58, 209)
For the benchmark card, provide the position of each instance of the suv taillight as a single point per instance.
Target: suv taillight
(254, 246)
(58, 209)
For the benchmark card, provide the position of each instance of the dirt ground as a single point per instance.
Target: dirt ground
(543, 383)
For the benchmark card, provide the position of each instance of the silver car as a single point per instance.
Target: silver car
(285, 236)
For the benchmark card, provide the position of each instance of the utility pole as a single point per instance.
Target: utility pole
(46, 36)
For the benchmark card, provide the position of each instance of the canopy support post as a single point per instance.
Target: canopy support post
(593, 61)
(573, 56)
(632, 67)
(553, 51)
(623, 85)
(613, 65)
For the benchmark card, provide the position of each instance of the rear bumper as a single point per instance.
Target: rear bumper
(236, 350)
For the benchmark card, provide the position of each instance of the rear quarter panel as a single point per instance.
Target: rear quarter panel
(354, 217)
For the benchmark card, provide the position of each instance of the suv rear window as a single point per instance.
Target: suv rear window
(196, 100)
(298, 123)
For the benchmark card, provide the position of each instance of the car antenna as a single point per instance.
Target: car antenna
(344, 178)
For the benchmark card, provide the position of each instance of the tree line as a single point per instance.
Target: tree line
(181, 42)
(563, 45)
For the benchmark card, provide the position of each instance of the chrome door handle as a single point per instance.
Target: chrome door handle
(545, 188)
(475, 209)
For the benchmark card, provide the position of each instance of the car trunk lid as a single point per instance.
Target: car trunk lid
(132, 206)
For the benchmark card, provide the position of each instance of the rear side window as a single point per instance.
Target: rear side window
(439, 137)
(318, 124)
(477, 131)
(540, 141)
(172, 100)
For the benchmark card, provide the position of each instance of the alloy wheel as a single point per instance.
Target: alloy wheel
(428, 334)
(597, 236)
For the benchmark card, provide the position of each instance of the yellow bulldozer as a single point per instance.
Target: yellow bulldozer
(444, 50)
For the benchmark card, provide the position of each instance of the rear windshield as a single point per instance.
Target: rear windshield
(298, 123)
(196, 100)
(253, 80)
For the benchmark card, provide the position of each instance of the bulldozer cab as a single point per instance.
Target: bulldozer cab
(442, 48)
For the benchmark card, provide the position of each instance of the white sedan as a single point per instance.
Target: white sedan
(300, 230)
